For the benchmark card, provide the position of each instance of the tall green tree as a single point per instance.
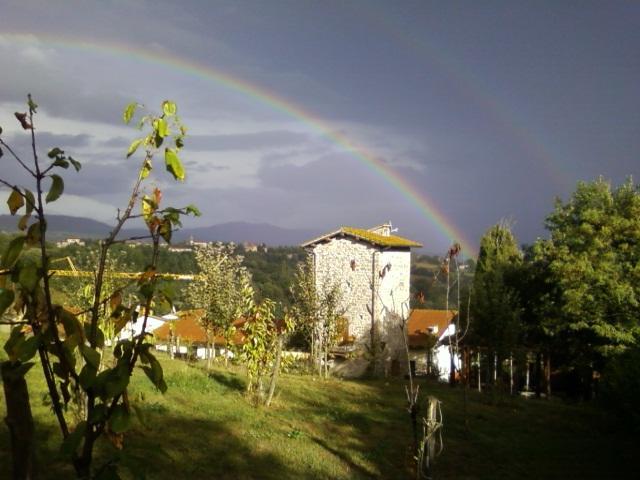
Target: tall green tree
(495, 307)
(593, 259)
(220, 292)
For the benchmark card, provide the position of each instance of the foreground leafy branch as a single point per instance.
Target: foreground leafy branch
(71, 349)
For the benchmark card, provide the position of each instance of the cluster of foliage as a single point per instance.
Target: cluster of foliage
(262, 349)
(428, 284)
(575, 296)
(79, 366)
(221, 292)
(317, 310)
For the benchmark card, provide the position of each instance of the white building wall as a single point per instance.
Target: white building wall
(333, 267)
(389, 270)
(394, 267)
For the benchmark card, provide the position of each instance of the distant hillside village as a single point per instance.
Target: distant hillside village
(380, 285)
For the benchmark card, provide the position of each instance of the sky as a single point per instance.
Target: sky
(441, 117)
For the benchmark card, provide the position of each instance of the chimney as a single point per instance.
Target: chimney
(385, 229)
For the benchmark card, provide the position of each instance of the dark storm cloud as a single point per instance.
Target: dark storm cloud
(245, 141)
(48, 140)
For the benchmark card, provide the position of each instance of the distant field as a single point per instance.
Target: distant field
(204, 428)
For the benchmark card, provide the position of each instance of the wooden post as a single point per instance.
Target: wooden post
(479, 373)
(538, 374)
(511, 374)
(547, 374)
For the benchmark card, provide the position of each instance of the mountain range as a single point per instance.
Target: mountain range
(62, 226)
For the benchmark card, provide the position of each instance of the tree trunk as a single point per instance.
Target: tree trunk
(495, 368)
(479, 373)
(226, 352)
(20, 422)
(209, 352)
(538, 374)
(276, 371)
(547, 375)
(511, 374)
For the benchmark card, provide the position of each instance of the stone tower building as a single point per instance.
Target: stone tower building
(372, 270)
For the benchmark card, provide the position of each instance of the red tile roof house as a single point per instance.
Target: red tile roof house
(372, 270)
(428, 335)
(189, 338)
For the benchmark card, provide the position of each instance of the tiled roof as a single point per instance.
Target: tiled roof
(421, 321)
(367, 236)
(188, 328)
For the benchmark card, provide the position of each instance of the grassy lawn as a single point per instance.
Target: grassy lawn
(203, 427)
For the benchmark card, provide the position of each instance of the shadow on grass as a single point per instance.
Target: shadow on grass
(173, 448)
(229, 380)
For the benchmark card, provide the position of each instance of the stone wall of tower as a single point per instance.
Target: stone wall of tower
(354, 266)
(348, 264)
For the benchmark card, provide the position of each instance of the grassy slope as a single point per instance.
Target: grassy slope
(204, 427)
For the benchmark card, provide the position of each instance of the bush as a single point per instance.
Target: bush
(620, 388)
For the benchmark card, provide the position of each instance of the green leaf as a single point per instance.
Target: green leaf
(33, 234)
(90, 355)
(12, 252)
(165, 230)
(57, 187)
(31, 201)
(129, 111)
(28, 348)
(11, 346)
(22, 223)
(61, 162)
(146, 169)
(173, 164)
(120, 420)
(161, 127)
(6, 299)
(33, 106)
(70, 322)
(113, 381)
(55, 152)
(15, 201)
(87, 376)
(134, 146)
(76, 164)
(155, 374)
(193, 210)
(72, 442)
(169, 108)
(28, 276)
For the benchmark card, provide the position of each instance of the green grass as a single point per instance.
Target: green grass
(203, 427)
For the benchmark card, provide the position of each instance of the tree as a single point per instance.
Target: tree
(592, 257)
(495, 304)
(262, 349)
(317, 309)
(72, 352)
(220, 292)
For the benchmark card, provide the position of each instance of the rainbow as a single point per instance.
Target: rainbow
(503, 117)
(426, 206)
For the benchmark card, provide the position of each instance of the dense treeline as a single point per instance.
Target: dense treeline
(569, 304)
(272, 269)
